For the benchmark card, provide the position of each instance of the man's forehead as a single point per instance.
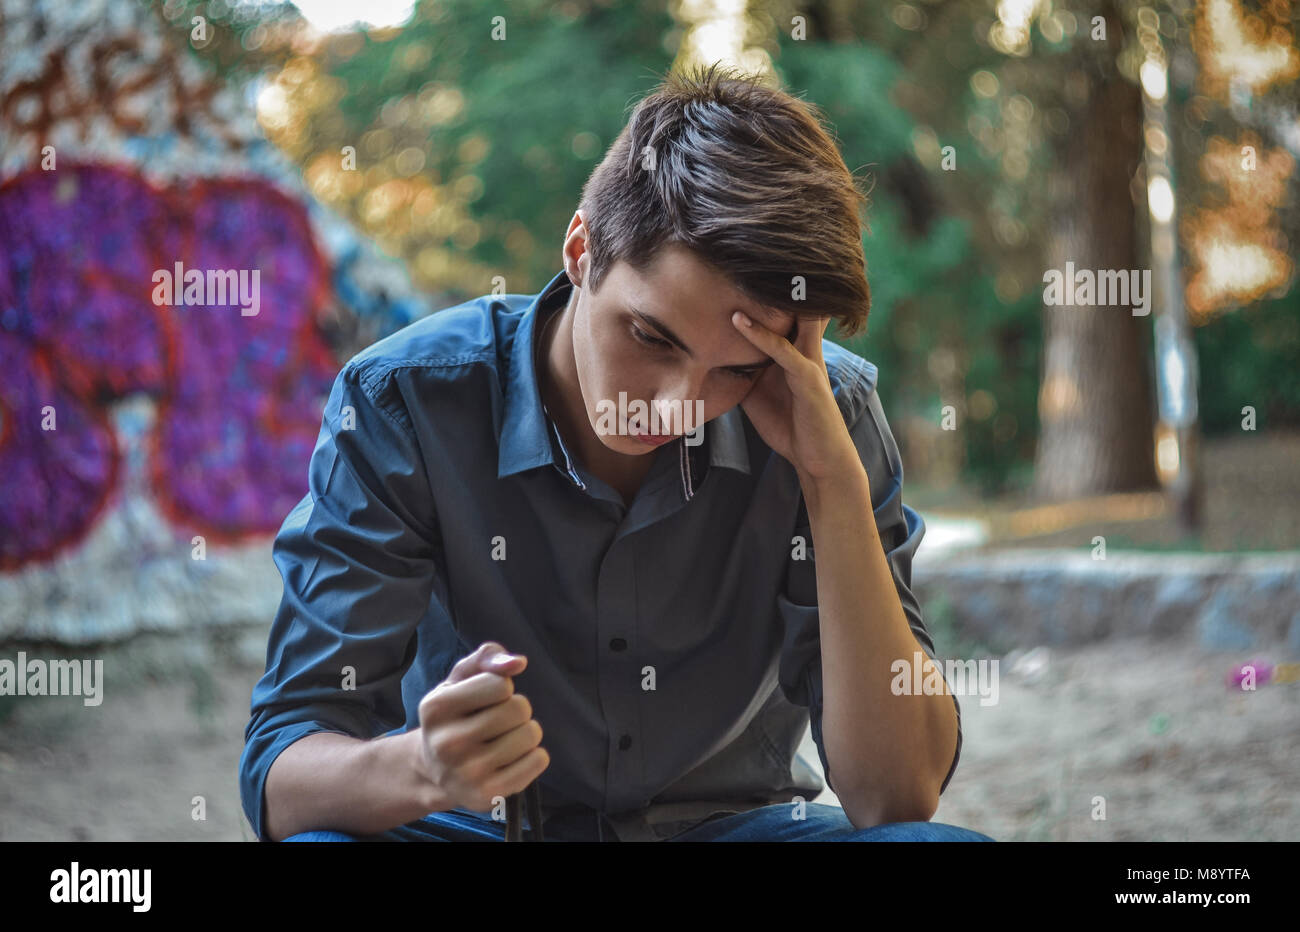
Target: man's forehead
(781, 321)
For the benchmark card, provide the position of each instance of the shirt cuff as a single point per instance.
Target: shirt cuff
(261, 750)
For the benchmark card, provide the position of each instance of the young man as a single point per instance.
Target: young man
(486, 481)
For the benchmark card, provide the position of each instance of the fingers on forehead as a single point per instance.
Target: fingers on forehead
(778, 321)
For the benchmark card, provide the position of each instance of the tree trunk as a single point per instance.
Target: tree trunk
(1095, 402)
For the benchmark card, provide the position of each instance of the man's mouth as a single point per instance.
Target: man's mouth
(653, 440)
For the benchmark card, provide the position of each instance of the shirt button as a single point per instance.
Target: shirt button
(624, 742)
(618, 644)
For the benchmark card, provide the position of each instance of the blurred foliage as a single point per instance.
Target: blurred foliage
(471, 154)
(470, 151)
(1251, 358)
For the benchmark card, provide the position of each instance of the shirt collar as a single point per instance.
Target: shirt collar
(527, 431)
(525, 442)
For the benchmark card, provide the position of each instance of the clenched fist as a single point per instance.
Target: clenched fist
(478, 737)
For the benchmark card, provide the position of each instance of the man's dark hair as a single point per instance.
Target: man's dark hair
(746, 177)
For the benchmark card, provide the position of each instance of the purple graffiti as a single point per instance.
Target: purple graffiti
(238, 396)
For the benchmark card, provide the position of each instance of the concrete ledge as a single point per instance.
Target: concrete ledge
(1057, 597)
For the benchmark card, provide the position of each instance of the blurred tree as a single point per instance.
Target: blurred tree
(1095, 403)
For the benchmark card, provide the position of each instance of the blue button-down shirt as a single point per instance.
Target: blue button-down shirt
(673, 644)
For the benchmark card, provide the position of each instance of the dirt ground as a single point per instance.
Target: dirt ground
(1151, 729)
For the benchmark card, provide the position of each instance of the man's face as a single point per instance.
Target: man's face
(666, 336)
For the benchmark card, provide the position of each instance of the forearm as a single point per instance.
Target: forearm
(332, 781)
(887, 753)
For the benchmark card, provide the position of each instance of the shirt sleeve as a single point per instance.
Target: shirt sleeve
(901, 530)
(357, 556)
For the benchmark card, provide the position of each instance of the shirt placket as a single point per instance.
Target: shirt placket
(618, 676)
(618, 673)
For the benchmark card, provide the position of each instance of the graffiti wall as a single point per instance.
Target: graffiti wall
(170, 324)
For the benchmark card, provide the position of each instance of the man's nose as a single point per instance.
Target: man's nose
(678, 402)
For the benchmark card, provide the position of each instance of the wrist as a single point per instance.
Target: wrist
(834, 486)
(423, 790)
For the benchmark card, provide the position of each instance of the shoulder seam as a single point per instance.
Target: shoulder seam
(371, 374)
(380, 369)
(855, 388)
(368, 382)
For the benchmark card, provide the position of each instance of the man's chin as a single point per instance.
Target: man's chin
(633, 445)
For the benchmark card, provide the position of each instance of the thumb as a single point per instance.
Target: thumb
(490, 657)
(503, 663)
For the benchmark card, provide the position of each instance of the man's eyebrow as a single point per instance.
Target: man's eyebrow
(667, 334)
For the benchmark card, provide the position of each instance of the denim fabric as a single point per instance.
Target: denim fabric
(768, 823)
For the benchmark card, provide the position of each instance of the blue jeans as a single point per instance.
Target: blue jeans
(767, 823)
